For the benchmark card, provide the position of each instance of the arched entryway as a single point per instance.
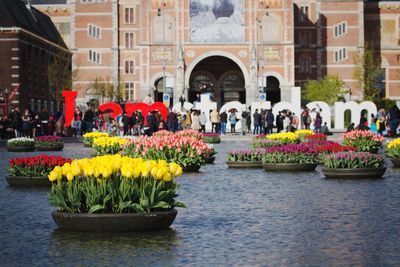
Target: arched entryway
(273, 90)
(159, 90)
(220, 77)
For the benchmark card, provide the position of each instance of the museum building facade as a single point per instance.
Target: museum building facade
(234, 50)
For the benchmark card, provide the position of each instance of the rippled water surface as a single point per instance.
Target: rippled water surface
(234, 217)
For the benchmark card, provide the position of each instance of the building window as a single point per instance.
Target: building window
(129, 11)
(94, 56)
(94, 31)
(129, 40)
(129, 91)
(340, 29)
(129, 67)
(303, 13)
(304, 38)
(340, 55)
(305, 64)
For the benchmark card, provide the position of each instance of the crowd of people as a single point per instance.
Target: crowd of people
(383, 123)
(30, 124)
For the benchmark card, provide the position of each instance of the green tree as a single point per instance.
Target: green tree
(367, 72)
(328, 89)
(60, 76)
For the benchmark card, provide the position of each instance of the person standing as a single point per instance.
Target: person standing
(196, 121)
(232, 121)
(172, 121)
(215, 119)
(318, 123)
(44, 121)
(279, 122)
(108, 122)
(151, 123)
(270, 121)
(224, 121)
(126, 122)
(77, 122)
(88, 120)
(203, 121)
(256, 122)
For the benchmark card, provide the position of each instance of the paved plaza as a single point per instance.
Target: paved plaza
(234, 217)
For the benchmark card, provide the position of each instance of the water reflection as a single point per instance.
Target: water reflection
(114, 248)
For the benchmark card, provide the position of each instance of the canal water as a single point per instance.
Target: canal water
(234, 217)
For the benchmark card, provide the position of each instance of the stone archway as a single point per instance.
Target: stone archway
(230, 56)
(273, 89)
(220, 77)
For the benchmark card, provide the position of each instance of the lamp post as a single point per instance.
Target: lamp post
(263, 3)
(161, 12)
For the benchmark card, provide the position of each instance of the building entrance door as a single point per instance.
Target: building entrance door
(220, 77)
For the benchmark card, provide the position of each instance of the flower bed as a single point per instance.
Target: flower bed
(295, 153)
(245, 155)
(265, 143)
(351, 160)
(331, 148)
(114, 184)
(186, 151)
(33, 170)
(212, 138)
(315, 136)
(21, 144)
(184, 133)
(281, 138)
(303, 132)
(364, 141)
(88, 138)
(49, 143)
(109, 145)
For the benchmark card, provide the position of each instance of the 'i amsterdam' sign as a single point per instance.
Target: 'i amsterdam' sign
(206, 105)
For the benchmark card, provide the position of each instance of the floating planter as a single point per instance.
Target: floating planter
(211, 138)
(289, 167)
(244, 164)
(114, 194)
(295, 157)
(49, 143)
(33, 171)
(114, 222)
(354, 165)
(21, 144)
(245, 158)
(188, 151)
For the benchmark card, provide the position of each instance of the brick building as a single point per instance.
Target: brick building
(170, 46)
(28, 43)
